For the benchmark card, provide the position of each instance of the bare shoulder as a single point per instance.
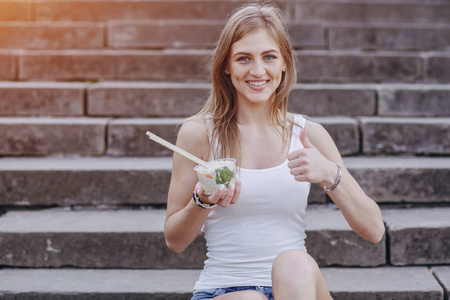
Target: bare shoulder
(322, 140)
(192, 136)
(316, 132)
(193, 128)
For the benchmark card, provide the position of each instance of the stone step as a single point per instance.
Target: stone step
(151, 99)
(344, 283)
(16, 10)
(442, 274)
(135, 239)
(314, 35)
(197, 34)
(382, 283)
(381, 135)
(145, 99)
(92, 239)
(46, 136)
(388, 37)
(34, 136)
(400, 179)
(352, 10)
(371, 11)
(84, 181)
(42, 99)
(131, 99)
(51, 35)
(185, 65)
(31, 182)
(133, 34)
(116, 10)
(126, 138)
(418, 236)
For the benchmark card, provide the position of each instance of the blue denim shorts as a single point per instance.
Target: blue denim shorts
(209, 294)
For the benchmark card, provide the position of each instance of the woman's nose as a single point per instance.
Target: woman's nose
(257, 69)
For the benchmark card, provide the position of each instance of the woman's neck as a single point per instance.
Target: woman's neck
(256, 114)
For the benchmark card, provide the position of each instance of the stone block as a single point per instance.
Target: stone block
(382, 283)
(442, 274)
(41, 99)
(194, 33)
(306, 35)
(164, 34)
(405, 135)
(344, 131)
(132, 10)
(54, 35)
(92, 239)
(418, 236)
(384, 12)
(402, 179)
(389, 37)
(8, 63)
(317, 195)
(333, 100)
(127, 136)
(45, 136)
(16, 10)
(332, 242)
(186, 66)
(145, 99)
(437, 68)
(344, 283)
(348, 66)
(414, 101)
(87, 181)
(84, 284)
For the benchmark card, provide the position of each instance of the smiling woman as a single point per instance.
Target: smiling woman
(255, 67)
(256, 243)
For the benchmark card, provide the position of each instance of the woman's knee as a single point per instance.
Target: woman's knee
(295, 259)
(294, 265)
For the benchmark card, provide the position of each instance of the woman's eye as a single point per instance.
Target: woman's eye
(270, 57)
(243, 59)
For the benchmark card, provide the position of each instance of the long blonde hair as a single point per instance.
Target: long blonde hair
(221, 106)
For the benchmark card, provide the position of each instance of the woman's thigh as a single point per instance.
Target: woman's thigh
(242, 295)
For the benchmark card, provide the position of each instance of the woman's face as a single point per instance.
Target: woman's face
(255, 65)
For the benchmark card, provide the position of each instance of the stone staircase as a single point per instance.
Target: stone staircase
(83, 190)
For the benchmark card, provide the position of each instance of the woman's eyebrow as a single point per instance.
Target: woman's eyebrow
(249, 54)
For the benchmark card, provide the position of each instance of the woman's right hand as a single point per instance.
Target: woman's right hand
(219, 197)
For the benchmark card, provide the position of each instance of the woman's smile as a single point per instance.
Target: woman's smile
(258, 85)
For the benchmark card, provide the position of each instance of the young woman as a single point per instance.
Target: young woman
(255, 230)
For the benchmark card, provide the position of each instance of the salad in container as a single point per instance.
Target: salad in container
(217, 172)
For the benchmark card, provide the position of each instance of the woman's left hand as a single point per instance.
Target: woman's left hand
(309, 165)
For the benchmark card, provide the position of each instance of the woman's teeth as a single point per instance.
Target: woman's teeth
(257, 83)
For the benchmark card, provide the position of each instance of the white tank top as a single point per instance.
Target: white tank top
(244, 239)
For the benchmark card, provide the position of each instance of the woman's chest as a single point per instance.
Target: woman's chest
(262, 152)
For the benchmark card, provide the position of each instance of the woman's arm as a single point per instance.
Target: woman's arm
(185, 218)
(317, 162)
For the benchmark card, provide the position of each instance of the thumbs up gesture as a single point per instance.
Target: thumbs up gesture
(309, 165)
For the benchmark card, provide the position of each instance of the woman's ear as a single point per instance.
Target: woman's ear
(227, 71)
(284, 68)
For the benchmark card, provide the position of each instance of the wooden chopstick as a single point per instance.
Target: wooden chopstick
(176, 149)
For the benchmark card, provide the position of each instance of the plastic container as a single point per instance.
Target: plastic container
(221, 171)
